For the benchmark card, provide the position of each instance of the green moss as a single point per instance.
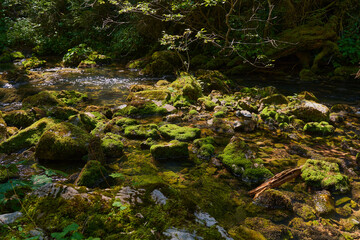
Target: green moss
(172, 150)
(193, 112)
(305, 211)
(186, 86)
(219, 114)
(27, 137)
(71, 98)
(19, 118)
(321, 128)
(325, 175)
(144, 110)
(92, 174)
(244, 233)
(33, 62)
(207, 103)
(142, 131)
(61, 142)
(122, 122)
(275, 99)
(205, 147)
(63, 113)
(251, 170)
(266, 113)
(44, 98)
(112, 145)
(213, 80)
(172, 131)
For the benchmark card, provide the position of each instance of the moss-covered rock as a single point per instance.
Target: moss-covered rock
(275, 99)
(311, 111)
(346, 71)
(3, 128)
(27, 137)
(19, 118)
(274, 199)
(157, 95)
(84, 120)
(123, 122)
(324, 203)
(186, 86)
(304, 211)
(162, 63)
(267, 113)
(62, 142)
(321, 128)
(44, 98)
(206, 103)
(305, 95)
(326, 175)
(112, 145)
(92, 174)
(213, 80)
(141, 109)
(250, 170)
(142, 131)
(8, 56)
(63, 113)
(173, 150)
(33, 62)
(205, 147)
(172, 131)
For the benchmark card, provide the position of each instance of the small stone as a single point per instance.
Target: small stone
(158, 197)
(128, 195)
(9, 218)
(180, 234)
(205, 218)
(324, 203)
(169, 108)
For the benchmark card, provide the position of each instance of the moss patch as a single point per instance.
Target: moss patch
(172, 131)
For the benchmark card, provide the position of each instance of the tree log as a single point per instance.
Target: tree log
(277, 180)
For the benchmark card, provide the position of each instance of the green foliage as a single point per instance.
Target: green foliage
(349, 44)
(22, 31)
(70, 232)
(76, 54)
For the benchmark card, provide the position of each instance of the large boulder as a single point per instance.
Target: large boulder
(320, 128)
(213, 80)
(63, 141)
(187, 88)
(162, 63)
(112, 145)
(27, 137)
(141, 131)
(19, 118)
(311, 111)
(3, 129)
(173, 150)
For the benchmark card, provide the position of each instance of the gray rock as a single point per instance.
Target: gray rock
(176, 234)
(324, 203)
(205, 218)
(9, 217)
(248, 125)
(311, 111)
(57, 190)
(128, 195)
(158, 197)
(169, 108)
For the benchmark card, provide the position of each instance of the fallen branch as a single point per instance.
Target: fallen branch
(277, 180)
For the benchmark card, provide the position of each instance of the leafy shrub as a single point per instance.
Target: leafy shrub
(77, 54)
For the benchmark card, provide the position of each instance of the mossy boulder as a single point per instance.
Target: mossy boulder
(343, 108)
(123, 122)
(71, 97)
(84, 120)
(62, 142)
(311, 111)
(172, 131)
(251, 171)
(92, 174)
(207, 103)
(157, 95)
(304, 211)
(142, 131)
(19, 118)
(112, 145)
(162, 63)
(33, 62)
(27, 137)
(42, 99)
(186, 86)
(173, 150)
(275, 99)
(3, 128)
(213, 80)
(325, 175)
(63, 113)
(320, 128)
(346, 71)
(141, 109)
(205, 147)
